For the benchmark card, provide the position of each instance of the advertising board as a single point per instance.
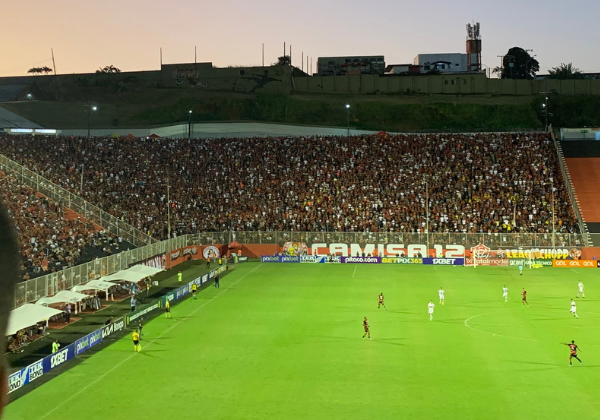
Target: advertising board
(88, 341)
(574, 263)
(57, 359)
(115, 326)
(444, 261)
(401, 260)
(24, 376)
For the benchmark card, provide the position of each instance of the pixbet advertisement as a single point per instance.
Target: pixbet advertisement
(88, 341)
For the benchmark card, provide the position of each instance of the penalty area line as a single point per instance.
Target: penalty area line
(115, 367)
(355, 267)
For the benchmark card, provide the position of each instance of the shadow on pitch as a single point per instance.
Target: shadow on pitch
(554, 365)
(390, 341)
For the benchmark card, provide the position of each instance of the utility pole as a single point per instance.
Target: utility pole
(53, 62)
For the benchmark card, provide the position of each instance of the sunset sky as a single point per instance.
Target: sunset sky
(128, 34)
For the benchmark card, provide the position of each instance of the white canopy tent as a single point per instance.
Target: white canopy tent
(65, 296)
(27, 315)
(124, 275)
(145, 269)
(94, 285)
(132, 274)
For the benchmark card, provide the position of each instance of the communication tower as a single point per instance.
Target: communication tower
(473, 47)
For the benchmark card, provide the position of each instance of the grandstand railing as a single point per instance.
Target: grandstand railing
(67, 199)
(32, 290)
(468, 240)
(572, 196)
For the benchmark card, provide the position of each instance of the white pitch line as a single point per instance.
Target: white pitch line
(82, 390)
(355, 267)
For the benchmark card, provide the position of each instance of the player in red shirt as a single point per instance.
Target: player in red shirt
(366, 327)
(574, 347)
(381, 302)
(524, 294)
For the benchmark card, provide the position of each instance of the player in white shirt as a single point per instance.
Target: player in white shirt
(580, 290)
(505, 293)
(573, 308)
(430, 307)
(441, 294)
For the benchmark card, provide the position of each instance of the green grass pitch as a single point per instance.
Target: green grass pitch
(283, 341)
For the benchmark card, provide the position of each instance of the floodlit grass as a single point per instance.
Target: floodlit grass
(283, 341)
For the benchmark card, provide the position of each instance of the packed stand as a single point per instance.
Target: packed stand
(496, 182)
(49, 241)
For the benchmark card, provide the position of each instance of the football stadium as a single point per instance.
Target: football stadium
(273, 242)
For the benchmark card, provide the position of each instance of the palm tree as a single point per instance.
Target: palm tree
(498, 71)
(565, 72)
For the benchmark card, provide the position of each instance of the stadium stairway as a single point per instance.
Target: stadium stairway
(583, 162)
(585, 174)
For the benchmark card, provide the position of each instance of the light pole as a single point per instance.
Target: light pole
(168, 209)
(553, 216)
(348, 120)
(189, 124)
(90, 109)
(427, 214)
(81, 186)
(545, 105)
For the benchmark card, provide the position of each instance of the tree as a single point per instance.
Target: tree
(46, 69)
(284, 60)
(109, 69)
(497, 71)
(565, 72)
(35, 70)
(518, 64)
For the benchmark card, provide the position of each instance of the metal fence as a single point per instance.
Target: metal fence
(67, 199)
(493, 240)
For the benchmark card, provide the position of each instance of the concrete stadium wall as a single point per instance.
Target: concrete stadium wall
(463, 84)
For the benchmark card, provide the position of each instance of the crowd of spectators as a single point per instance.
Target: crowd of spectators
(495, 182)
(49, 240)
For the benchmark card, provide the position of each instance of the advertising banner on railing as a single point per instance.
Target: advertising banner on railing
(88, 341)
(401, 260)
(114, 327)
(360, 260)
(310, 259)
(444, 261)
(24, 376)
(525, 262)
(574, 263)
(492, 262)
(58, 358)
(141, 312)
